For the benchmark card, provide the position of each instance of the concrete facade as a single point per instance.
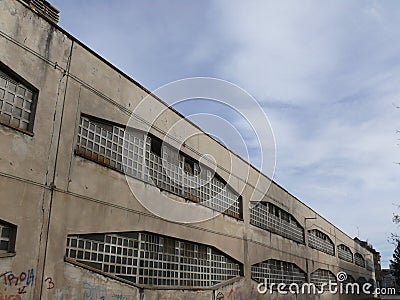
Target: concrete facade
(50, 192)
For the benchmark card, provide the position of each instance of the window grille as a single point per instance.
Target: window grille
(17, 103)
(359, 260)
(269, 217)
(276, 271)
(321, 242)
(150, 259)
(345, 253)
(322, 276)
(144, 157)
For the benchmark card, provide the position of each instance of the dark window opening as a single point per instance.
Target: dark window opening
(8, 233)
(156, 146)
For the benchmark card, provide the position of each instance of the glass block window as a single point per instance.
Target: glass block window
(17, 103)
(359, 260)
(322, 276)
(174, 171)
(153, 260)
(276, 271)
(146, 158)
(320, 241)
(272, 218)
(222, 268)
(345, 253)
(107, 144)
(7, 237)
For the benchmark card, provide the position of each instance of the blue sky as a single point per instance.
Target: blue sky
(326, 73)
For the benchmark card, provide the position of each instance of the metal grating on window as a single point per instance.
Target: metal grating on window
(359, 260)
(345, 253)
(16, 103)
(322, 277)
(150, 259)
(269, 217)
(126, 151)
(320, 241)
(276, 271)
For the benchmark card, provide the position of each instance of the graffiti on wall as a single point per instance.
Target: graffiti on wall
(10, 296)
(65, 294)
(87, 291)
(49, 283)
(119, 297)
(93, 292)
(235, 293)
(22, 281)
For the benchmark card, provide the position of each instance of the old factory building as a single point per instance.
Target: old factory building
(72, 225)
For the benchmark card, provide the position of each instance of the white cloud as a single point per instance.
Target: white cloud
(327, 74)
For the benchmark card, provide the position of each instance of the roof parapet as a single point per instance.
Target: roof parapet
(44, 8)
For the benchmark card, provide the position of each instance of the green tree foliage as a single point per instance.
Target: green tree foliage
(396, 263)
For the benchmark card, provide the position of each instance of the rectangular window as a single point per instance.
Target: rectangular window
(17, 101)
(271, 218)
(321, 242)
(276, 271)
(321, 278)
(359, 260)
(145, 157)
(345, 253)
(156, 145)
(8, 234)
(154, 260)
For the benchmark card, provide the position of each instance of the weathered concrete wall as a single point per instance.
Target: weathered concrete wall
(49, 192)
